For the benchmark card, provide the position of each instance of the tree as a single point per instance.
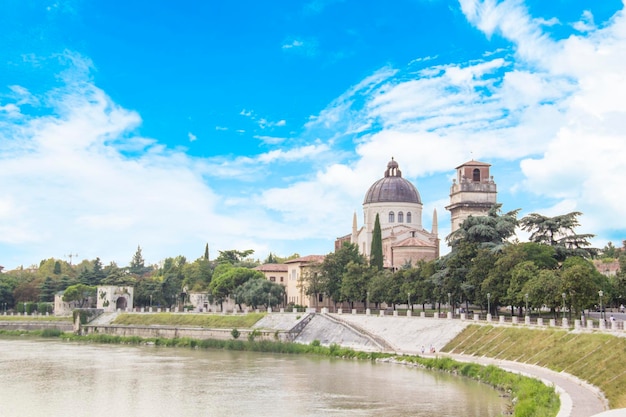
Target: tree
(226, 279)
(355, 281)
(80, 293)
(334, 265)
(47, 289)
(206, 252)
(580, 282)
(491, 231)
(559, 232)
(233, 257)
(137, 264)
(376, 254)
(259, 291)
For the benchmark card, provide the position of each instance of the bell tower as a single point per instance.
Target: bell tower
(473, 192)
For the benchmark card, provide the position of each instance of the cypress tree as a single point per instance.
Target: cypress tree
(206, 252)
(376, 254)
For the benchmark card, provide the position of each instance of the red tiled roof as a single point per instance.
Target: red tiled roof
(307, 259)
(272, 268)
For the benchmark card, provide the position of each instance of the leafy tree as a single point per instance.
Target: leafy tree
(57, 268)
(376, 254)
(580, 283)
(333, 267)
(314, 283)
(226, 279)
(197, 275)
(559, 232)
(610, 251)
(544, 289)
(384, 287)
(233, 257)
(258, 291)
(80, 293)
(206, 252)
(355, 281)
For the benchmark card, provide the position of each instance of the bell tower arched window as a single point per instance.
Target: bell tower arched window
(476, 175)
(391, 217)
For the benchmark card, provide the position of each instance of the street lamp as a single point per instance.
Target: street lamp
(601, 293)
(367, 300)
(269, 301)
(488, 303)
(409, 304)
(563, 295)
(526, 297)
(449, 303)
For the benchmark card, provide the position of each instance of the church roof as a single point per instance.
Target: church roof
(392, 188)
(412, 242)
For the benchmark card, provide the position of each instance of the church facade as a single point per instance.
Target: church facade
(398, 204)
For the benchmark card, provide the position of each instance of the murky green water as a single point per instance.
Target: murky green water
(52, 378)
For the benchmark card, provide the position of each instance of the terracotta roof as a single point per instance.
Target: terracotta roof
(413, 242)
(307, 259)
(474, 163)
(272, 268)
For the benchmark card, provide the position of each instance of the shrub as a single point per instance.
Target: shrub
(235, 333)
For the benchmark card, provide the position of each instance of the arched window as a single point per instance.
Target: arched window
(408, 217)
(391, 217)
(400, 217)
(476, 175)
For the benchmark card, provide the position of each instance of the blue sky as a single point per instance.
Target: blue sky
(251, 125)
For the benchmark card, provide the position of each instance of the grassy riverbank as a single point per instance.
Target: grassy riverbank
(209, 321)
(528, 397)
(596, 358)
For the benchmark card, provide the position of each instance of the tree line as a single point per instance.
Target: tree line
(168, 284)
(487, 267)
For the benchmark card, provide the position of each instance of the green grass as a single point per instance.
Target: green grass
(36, 318)
(209, 321)
(599, 359)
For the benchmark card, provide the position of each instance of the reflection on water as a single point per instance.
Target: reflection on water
(54, 378)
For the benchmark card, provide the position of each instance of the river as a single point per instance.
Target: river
(55, 378)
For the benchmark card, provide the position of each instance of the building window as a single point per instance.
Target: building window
(476, 175)
(273, 279)
(400, 217)
(391, 217)
(321, 298)
(281, 279)
(408, 217)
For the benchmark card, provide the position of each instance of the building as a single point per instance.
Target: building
(112, 298)
(398, 205)
(473, 192)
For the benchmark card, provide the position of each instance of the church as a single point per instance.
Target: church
(398, 204)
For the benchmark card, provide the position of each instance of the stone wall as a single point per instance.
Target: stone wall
(179, 332)
(64, 326)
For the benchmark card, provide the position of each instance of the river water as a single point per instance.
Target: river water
(55, 378)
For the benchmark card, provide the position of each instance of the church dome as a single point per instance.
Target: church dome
(392, 188)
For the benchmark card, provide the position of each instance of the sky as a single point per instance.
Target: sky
(261, 125)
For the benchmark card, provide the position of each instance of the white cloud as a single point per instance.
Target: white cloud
(191, 137)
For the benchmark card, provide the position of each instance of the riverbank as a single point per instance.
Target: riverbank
(407, 336)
